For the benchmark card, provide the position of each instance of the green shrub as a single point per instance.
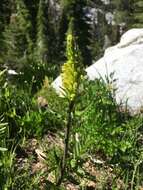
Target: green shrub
(102, 129)
(100, 124)
(38, 123)
(14, 104)
(25, 116)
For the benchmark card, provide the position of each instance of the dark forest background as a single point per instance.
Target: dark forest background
(33, 33)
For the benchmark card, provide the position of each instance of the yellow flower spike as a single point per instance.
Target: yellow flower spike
(71, 70)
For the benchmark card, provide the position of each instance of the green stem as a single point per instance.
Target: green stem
(66, 143)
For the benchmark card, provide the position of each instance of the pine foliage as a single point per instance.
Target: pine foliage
(122, 11)
(17, 36)
(42, 53)
(4, 20)
(138, 14)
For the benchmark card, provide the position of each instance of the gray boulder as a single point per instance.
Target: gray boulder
(125, 60)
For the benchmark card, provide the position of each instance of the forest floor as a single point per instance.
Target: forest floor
(94, 172)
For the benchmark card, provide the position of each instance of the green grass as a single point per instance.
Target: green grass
(100, 131)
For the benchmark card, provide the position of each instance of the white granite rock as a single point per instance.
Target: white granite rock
(125, 60)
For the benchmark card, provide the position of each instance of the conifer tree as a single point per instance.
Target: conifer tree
(4, 13)
(123, 12)
(17, 36)
(100, 28)
(128, 13)
(4, 20)
(137, 14)
(42, 43)
(122, 18)
(1, 43)
(32, 7)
